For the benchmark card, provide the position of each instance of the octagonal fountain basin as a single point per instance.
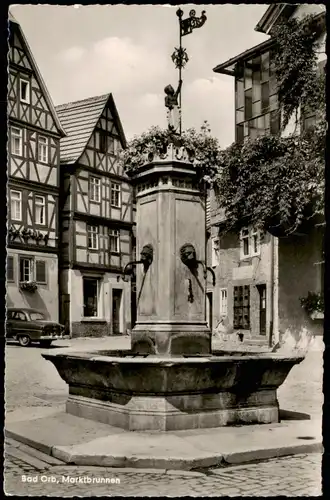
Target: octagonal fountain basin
(150, 392)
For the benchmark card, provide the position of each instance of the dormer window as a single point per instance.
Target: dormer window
(24, 91)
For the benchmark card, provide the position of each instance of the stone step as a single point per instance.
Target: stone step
(28, 459)
(32, 452)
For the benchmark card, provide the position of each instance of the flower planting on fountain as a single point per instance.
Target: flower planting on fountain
(200, 145)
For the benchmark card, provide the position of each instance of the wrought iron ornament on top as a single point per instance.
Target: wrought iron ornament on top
(180, 56)
(190, 23)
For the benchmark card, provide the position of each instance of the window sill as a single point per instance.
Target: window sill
(249, 257)
(317, 315)
(93, 319)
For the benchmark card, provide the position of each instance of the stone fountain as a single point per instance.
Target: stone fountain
(170, 379)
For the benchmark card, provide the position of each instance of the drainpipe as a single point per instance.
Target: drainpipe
(273, 289)
(205, 250)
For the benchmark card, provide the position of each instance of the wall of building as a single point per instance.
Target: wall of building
(101, 325)
(233, 271)
(46, 297)
(298, 275)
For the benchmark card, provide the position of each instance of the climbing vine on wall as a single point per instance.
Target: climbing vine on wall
(271, 181)
(295, 63)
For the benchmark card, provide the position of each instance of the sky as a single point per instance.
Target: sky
(85, 51)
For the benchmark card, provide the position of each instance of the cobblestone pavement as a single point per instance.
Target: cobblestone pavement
(33, 381)
(299, 475)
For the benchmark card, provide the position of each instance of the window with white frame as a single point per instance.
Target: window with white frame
(15, 205)
(16, 141)
(93, 237)
(95, 189)
(223, 301)
(43, 149)
(25, 269)
(39, 207)
(249, 242)
(24, 90)
(114, 243)
(115, 195)
(31, 269)
(215, 251)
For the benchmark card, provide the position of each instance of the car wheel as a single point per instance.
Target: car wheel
(45, 343)
(24, 340)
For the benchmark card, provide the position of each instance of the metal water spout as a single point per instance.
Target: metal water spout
(188, 257)
(146, 258)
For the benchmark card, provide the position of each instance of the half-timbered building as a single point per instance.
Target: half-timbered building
(34, 133)
(96, 220)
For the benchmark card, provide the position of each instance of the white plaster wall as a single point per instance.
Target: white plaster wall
(46, 297)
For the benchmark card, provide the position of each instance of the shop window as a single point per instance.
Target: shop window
(91, 297)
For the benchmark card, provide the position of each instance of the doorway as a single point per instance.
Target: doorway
(209, 310)
(116, 311)
(262, 309)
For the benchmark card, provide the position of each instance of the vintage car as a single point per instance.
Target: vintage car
(30, 325)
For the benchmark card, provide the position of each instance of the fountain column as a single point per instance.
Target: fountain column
(170, 295)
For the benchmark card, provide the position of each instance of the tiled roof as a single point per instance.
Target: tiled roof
(79, 119)
(228, 66)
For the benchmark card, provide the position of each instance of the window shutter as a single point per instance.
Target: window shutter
(10, 269)
(40, 271)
